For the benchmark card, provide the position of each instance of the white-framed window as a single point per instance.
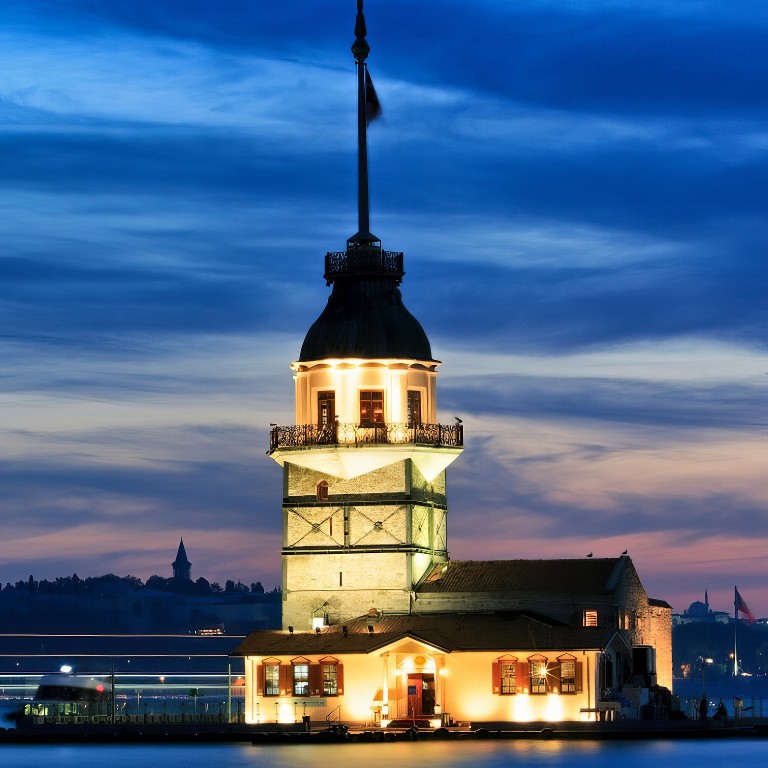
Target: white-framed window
(300, 679)
(271, 679)
(330, 673)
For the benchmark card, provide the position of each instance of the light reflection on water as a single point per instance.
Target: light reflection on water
(483, 754)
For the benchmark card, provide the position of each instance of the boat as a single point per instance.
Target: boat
(67, 695)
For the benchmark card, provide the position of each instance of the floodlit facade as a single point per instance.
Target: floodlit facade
(378, 623)
(493, 641)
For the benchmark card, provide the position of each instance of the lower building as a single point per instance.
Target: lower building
(496, 641)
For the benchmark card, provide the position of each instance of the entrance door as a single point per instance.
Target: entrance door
(421, 695)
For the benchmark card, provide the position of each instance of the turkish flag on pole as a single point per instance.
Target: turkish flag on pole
(740, 605)
(372, 103)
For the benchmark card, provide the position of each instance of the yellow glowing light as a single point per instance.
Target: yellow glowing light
(521, 708)
(553, 711)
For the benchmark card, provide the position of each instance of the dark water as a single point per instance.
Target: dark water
(482, 754)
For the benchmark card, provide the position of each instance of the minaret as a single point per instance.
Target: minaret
(364, 493)
(182, 566)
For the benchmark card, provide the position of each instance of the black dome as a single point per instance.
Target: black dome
(366, 319)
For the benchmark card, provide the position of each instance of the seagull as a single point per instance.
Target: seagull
(589, 555)
(624, 552)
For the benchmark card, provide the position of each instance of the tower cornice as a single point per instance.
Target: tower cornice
(350, 363)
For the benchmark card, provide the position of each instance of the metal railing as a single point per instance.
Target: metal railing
(363, 261)
(312, 435)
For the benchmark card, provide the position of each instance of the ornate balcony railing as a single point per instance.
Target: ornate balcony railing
(310, 435)
(363, 261)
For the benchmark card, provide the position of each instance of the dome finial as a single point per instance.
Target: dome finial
(360, 47)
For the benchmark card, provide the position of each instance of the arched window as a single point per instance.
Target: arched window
(322, 490)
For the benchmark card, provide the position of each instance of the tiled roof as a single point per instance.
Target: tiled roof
(586, 576)
(512, 631)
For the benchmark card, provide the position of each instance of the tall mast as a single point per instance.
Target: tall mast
(735, 625)
(360, 50)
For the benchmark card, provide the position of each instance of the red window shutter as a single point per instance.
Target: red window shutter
(315, 680)
(496, 677)
(286, 680)
(260, 680)
(579, 686)
(523, 677)
(340, 679)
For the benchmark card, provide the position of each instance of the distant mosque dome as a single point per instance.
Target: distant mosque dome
(698, 609)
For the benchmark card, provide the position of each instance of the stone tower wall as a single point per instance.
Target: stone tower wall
(363, 547)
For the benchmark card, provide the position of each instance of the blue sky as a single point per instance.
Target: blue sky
(580, 191)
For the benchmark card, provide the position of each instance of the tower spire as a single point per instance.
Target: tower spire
(360, 50)
(181, 565)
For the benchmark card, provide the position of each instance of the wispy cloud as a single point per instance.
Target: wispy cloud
(580, 190)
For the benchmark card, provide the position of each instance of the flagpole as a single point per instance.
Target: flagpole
(361, 49)
(735, 624)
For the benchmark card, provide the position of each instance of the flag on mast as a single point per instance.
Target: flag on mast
(741, 606)
(372, 103)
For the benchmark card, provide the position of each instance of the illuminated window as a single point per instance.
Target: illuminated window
(414, 407)
(508, 677)
(322, 490)
(326, 408)
(330, 679)
(371, 408)
(271, 679)
(590, 618)
(568, 676)
(538, 677)
(301, 679)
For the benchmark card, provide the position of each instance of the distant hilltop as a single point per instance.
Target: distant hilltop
(125, 604)
(109, 584)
